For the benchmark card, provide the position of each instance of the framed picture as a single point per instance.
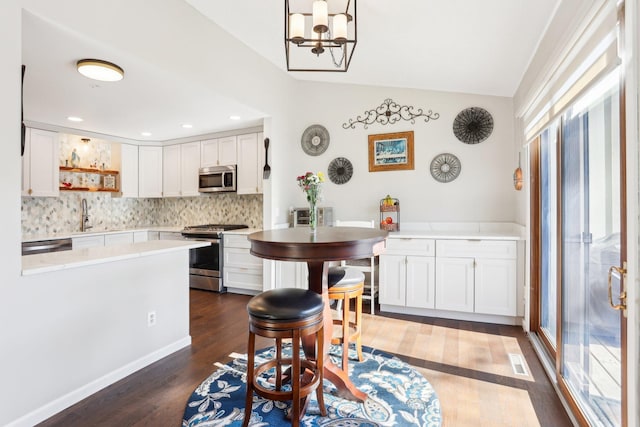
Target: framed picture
(391, 151)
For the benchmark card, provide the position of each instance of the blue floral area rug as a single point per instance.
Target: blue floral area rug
(398, 395)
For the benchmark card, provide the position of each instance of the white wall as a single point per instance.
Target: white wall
(168, 34)
(14, 304)
(482, 192)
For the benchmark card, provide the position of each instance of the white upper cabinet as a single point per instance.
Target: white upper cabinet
(189, 165)
(150, 171)
(218, 151)
(180, 164)
(250, 163)
(129, 170)
(40, 170)
(171, 171)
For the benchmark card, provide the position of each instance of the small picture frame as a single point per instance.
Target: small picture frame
(391, 151)
(109, 182)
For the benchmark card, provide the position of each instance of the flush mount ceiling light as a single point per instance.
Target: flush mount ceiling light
(98, 69)
(74, 119)
(308, 35)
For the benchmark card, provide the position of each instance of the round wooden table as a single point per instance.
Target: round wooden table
(316, 249)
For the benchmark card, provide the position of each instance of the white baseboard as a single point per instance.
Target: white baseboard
(73, 397)
(455, 315)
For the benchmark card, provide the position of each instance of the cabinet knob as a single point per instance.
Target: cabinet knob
(30, 191)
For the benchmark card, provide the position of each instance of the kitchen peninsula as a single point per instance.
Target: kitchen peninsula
(110, 310)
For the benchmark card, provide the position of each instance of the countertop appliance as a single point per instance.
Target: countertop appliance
(301, 217)
(217, 178)
(45, 246)
(206, 263)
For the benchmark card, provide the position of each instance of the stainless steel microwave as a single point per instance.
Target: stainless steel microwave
(301, 217)
(217, 178)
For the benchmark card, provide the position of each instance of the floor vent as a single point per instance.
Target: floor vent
(517, 364)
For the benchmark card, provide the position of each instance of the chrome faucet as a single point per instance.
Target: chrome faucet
(84, 220)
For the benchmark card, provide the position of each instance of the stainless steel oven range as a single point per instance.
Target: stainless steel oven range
(205, 264)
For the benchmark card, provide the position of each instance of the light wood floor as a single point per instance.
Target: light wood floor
(467, 363)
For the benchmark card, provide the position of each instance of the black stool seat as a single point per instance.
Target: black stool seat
(285, 304)
(344, 276)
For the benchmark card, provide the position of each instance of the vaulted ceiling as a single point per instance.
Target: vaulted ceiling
(468, 46)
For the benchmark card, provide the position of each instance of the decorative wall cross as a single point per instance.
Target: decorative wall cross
(390, 112)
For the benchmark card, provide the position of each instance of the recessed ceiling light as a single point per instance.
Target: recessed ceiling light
(145, 133)
(187, 125)
(74, 119)
(234, 117)
(98, 69)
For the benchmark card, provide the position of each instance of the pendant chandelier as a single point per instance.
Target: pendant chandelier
(322, 38)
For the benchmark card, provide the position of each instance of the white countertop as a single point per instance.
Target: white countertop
(460, 235)
(53, 261)
(466, 230)
(93, 232)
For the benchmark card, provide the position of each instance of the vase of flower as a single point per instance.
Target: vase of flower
(313, 217)
(310, 185)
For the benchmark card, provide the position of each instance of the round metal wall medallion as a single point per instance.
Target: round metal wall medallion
(445, 167)
(315, 140)
(340, 170)
(473, 125)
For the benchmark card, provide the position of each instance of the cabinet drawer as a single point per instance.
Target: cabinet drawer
(241, 258)
(243, 279)
(408, 246)
(236, 241)
(496, 249)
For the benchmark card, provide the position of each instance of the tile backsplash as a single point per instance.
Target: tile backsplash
(49, 216)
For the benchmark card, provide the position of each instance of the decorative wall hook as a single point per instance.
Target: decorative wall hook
(390, 112)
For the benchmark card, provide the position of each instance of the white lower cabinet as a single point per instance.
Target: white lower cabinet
(469, 277)
(291, 274)
(241, 271)
(116, 239)
(407, 273)
(87, 241)
(495, 286)
(455, 284)
(408, 280)
(141, 236)
(476, 276)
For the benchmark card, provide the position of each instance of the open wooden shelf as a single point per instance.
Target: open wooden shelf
(89, 170)
(108, 190)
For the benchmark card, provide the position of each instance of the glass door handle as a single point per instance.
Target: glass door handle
(621, 271)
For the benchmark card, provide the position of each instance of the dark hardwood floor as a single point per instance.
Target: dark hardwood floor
(157, 394)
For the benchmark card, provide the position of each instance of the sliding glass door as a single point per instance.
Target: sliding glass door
(590, 171)
(578, 252)
(548, 242)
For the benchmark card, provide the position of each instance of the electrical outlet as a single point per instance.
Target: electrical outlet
(151, 318)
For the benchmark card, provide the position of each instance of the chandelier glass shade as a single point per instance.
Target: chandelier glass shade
(318, 35)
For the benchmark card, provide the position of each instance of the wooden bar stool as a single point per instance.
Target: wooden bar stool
(346, 284)
(286, 313)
